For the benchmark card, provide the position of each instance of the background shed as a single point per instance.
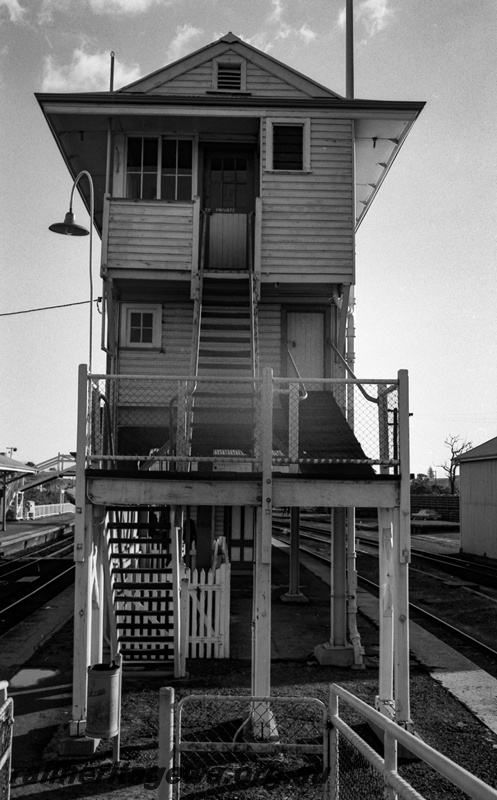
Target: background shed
(478, 489)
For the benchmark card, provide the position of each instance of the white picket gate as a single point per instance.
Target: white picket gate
(206, 611)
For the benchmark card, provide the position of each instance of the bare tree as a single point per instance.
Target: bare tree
(457, 447)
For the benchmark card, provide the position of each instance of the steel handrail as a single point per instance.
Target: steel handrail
(303, 393)
(349, 370)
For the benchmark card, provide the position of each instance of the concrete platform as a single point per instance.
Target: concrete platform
(28, 533)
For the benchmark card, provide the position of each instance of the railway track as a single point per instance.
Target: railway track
(29, 581)
(479, 644)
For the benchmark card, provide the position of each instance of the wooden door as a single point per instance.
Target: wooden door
(228, 196)
(305, 334)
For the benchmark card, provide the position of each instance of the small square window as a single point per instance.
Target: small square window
(141, 326)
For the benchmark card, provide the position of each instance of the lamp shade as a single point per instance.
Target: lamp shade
(69, 227)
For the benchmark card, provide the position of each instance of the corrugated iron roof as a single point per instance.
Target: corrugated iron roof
(10, 465)
(487, 450)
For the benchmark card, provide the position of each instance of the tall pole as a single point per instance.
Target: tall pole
(349, 49)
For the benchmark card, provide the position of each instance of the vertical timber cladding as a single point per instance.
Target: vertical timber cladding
(308, 217)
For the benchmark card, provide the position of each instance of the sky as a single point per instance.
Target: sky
(426, 294)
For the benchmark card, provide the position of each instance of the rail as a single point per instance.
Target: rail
(394, 786)
(312, 431)
(302, 391)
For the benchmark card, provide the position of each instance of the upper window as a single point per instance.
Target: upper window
(288, 146)
(141, 326)
(229, 74)
(159, 168)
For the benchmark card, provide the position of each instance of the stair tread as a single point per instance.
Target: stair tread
(138, 639)
(144, 585)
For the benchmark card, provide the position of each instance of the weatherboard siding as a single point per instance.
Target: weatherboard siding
(173, 358)
(199, 80)
(307, 218)
(150, 235)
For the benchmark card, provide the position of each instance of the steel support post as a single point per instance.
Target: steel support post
(339, 567)
(337, 651)
(294, 595)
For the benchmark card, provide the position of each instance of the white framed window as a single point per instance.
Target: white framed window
(288, 145)
(229, 74)
(159, 168)
(141, 326)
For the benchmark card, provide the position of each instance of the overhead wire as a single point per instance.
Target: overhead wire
(48, 308)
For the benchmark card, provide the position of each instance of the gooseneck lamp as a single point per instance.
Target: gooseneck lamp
(70, 228)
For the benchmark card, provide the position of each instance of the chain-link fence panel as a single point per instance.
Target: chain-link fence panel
(164, 422)
(231, 747)
(347, 426)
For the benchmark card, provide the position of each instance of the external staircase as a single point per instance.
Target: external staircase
(222, 412)
(143, 578)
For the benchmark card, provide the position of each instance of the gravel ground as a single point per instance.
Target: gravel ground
(439, 719)
(39, 772)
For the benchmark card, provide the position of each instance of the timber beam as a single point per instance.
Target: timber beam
(298, 490)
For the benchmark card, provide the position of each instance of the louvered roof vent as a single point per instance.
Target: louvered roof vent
(229, 76)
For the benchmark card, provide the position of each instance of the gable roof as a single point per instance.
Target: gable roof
(80, 122)
(484, 452)
(228, 44)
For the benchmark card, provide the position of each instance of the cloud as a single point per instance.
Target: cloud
(307, 35)
(259, 40)
(86, 72)
(277, 12)
(123, 6)
(276, 28)
(375, 15)
(181, 44)
(16, 11)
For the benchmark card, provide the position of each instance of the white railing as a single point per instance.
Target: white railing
(274, 412)
(394, 786)
(50, 510)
